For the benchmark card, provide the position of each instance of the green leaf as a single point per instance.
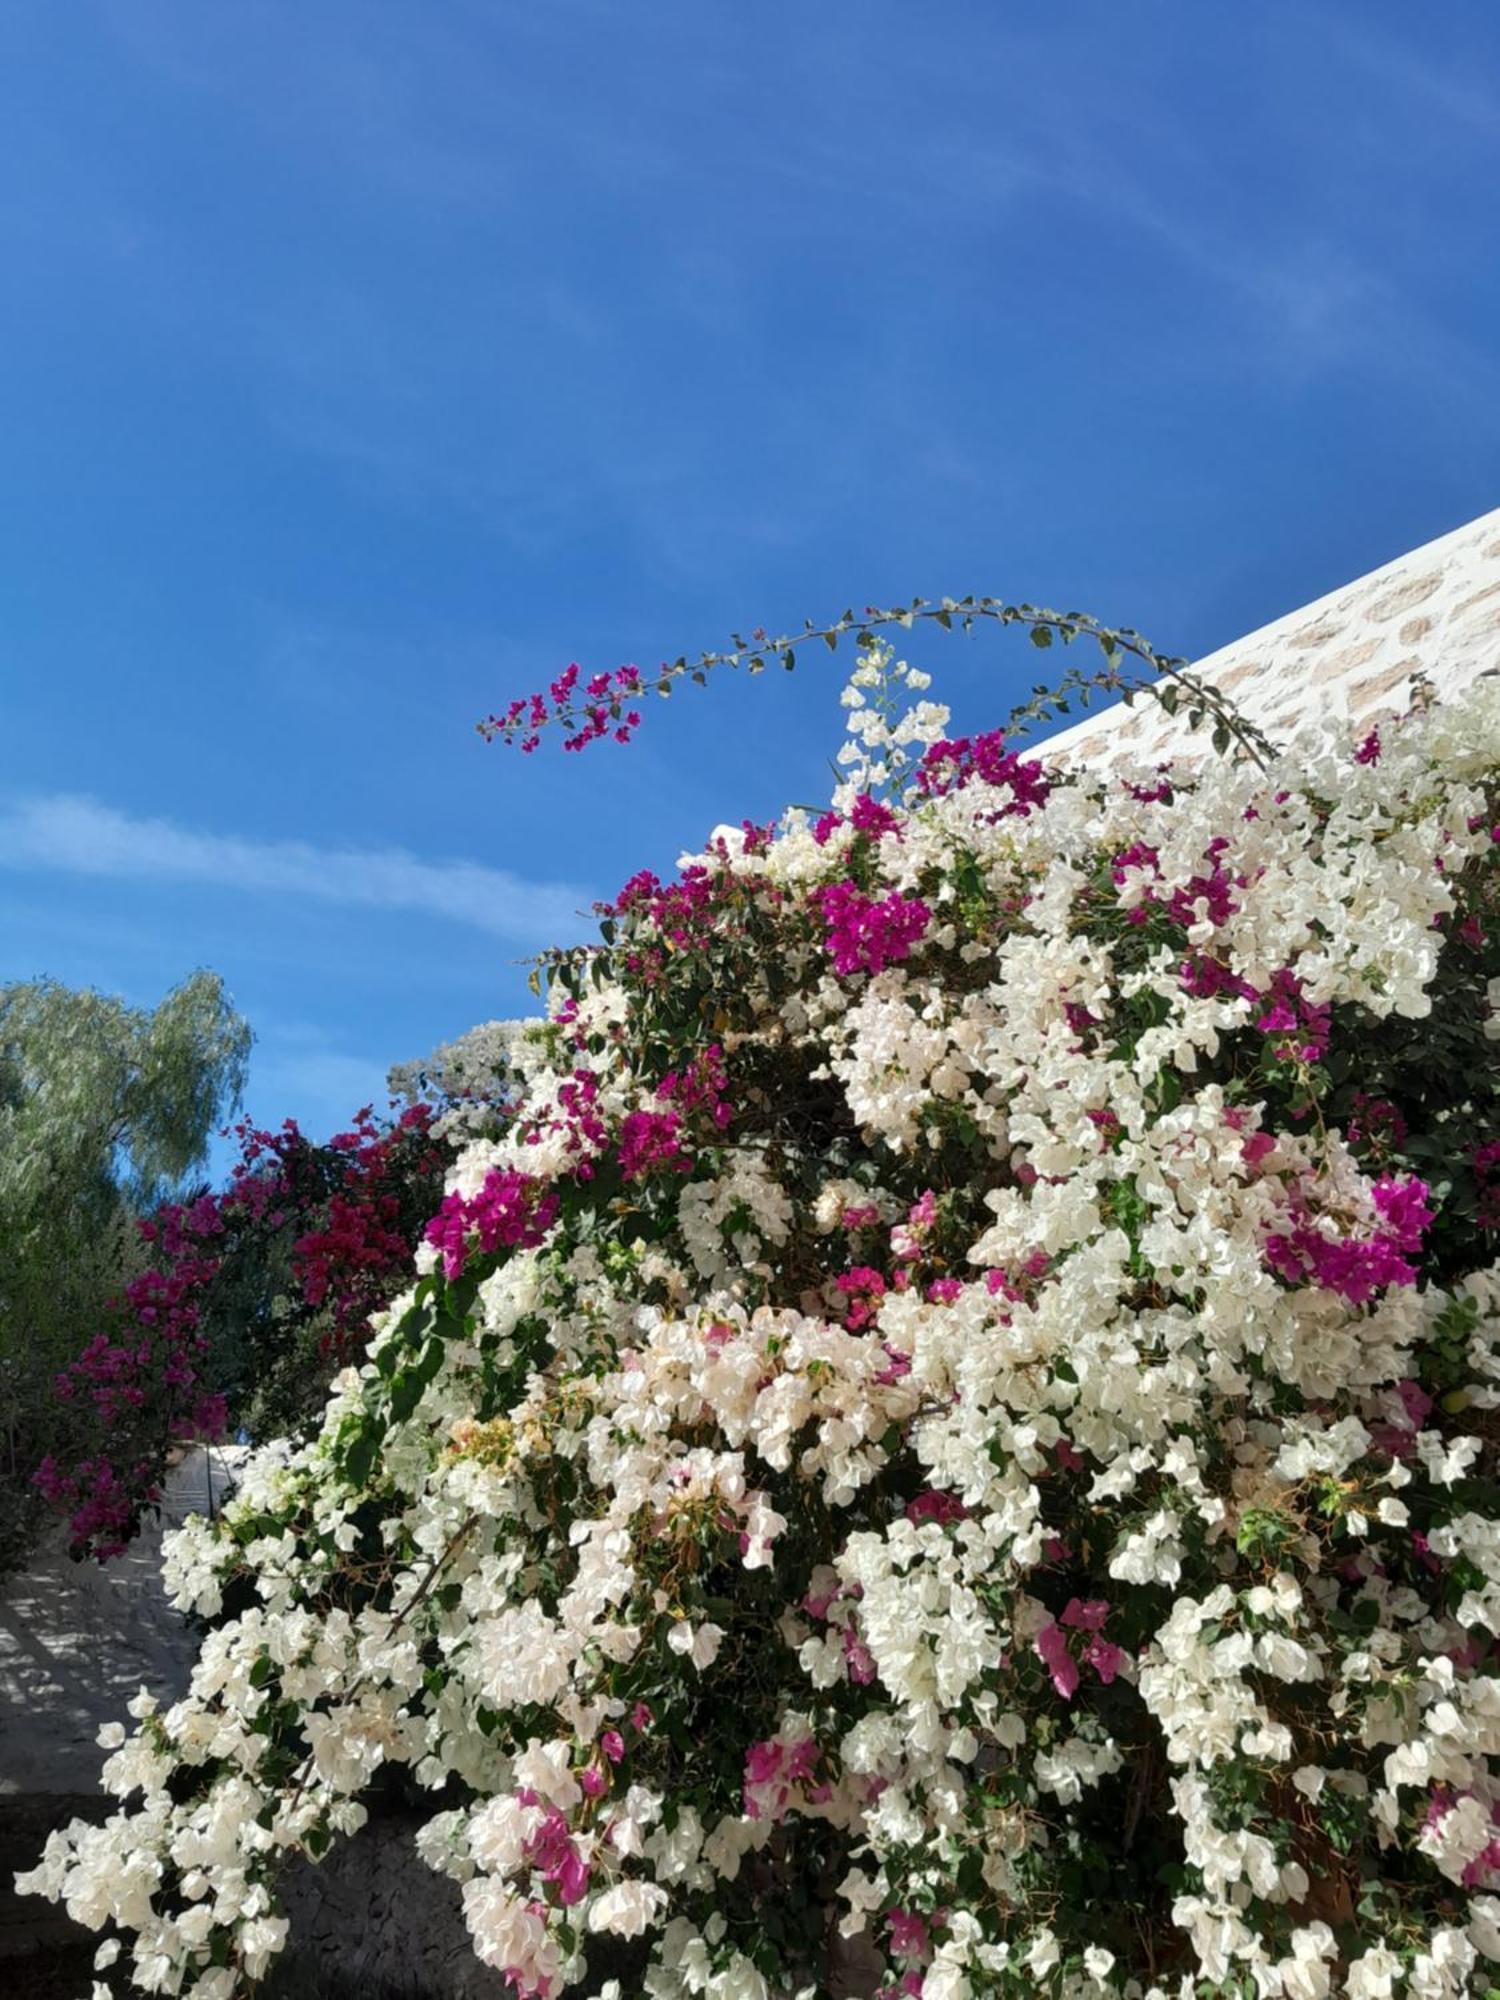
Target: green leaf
(360, 1455)
(410, 1383)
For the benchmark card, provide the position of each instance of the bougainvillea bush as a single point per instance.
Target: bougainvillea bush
(947, 1447)
(247, 1301)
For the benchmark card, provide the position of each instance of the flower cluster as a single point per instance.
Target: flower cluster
(953, 762)
(867, 936)
(511, 1211)
(597, 711)
(945, 1444)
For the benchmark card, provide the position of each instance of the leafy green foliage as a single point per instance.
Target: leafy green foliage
(104, 1109)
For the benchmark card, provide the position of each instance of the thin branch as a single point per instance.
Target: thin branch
(606, 702)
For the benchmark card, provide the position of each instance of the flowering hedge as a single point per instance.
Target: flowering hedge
(948, 1435)
(254, 1296)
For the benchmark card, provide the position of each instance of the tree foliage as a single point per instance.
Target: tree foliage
(104, 1109)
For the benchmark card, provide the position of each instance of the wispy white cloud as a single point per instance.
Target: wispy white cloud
(81, 836)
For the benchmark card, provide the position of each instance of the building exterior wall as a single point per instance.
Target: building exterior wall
(1350, 657)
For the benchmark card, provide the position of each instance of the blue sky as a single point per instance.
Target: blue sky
(364, 363)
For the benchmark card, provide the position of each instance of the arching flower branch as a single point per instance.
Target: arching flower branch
(606, 704)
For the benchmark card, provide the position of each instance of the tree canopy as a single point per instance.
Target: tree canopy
(105, 1108)
(102, 1103)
